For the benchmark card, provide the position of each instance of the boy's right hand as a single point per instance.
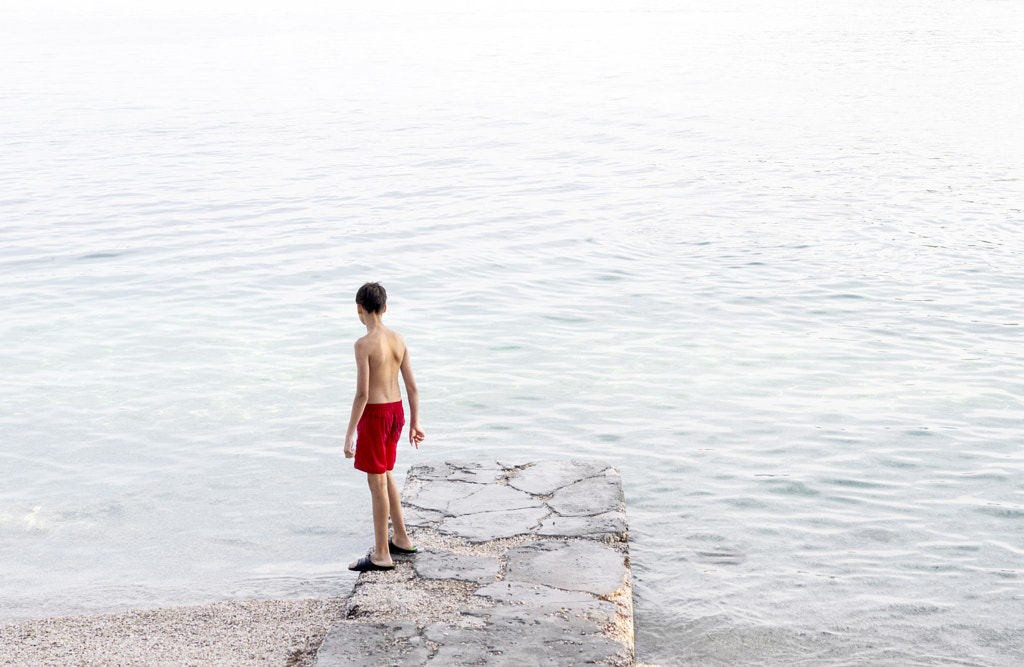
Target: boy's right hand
(350, 448)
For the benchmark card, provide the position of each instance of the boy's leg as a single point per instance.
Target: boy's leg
(379, 493)
(401, 538)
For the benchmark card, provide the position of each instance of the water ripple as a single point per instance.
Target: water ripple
(765, 263)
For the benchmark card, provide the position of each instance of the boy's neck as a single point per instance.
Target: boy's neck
(372, 321)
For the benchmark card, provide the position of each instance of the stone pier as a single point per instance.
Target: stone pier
(519, 563)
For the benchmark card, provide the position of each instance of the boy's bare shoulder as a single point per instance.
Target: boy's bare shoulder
(365, 344)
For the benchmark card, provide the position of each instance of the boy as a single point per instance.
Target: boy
(377, 415)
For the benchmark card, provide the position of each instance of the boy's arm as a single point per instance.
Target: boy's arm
(359, 402)
(416, 433)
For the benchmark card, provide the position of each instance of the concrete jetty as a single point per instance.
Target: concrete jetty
(519, 563)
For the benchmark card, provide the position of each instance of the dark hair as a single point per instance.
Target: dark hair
(372, 297)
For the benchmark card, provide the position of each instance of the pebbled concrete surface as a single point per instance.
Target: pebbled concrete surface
(520, 563)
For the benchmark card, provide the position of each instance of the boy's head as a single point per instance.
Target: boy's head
(372, 298)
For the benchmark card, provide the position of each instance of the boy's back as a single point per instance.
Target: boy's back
(385, 353)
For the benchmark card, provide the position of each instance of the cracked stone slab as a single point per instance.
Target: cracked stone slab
(545, 477)
(486, 526)
(547, 641)
(417, 518)
(476, 471)
(443, 634)
(437, 495)
(577, 566)
(492, 498)
(589, 497)
(512, 464)
(551, 629)
(546, 598)
(449, 565)
(429, 471)
(463, 655)
(576, 623)
(609, 524)
(459, 498)
(351, 644)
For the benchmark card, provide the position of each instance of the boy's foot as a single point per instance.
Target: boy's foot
(399, 551)
(364, 564)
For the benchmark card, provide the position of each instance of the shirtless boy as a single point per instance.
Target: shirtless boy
(378, 418)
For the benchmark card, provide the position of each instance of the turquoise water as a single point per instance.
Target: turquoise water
(764, 259)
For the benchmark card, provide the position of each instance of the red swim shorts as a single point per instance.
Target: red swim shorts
(377, 436)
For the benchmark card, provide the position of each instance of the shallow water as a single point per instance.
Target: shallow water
(765, 260)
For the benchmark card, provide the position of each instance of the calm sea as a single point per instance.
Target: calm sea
(764, 257)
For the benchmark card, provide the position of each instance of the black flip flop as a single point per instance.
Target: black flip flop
(399, 551)
(364, 564)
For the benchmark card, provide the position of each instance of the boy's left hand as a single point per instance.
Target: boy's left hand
(350, 448)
